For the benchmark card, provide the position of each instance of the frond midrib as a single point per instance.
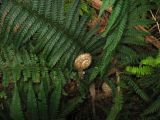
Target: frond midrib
(57, 26)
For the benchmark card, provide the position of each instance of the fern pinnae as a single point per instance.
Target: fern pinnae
(49, 32)
(88, 36)
(95, 40)
(81, 25)
(16, 73)
(116, 108)
(42, 103)
(45, 33)
(133, 32)
(34, 5)
(126, 55)
(26, 26)
(41, 7)
(4, 20)
(69, 107)
(60, 16)
(97, 47)
(5, 78)
(140, 71)
(71, 13)
(66, 57)
(75, 23)
(14, 14)
(15, 107)
(41, 33)
(138, 90)
(26, 71)
(154, 107)
(143, 22)
(37, 24)
(56, 94)
(32, 110)
(51, 44)
(54, 11)
(58, 53)
(137, 41)
(106, 4)
(19, 20)
(48, 9)
(112, 47)
(73, 57)
(113, 16)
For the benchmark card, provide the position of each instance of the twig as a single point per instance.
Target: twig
(155, 19)
(151, 39)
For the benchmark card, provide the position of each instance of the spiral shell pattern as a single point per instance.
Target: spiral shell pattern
(83, 61)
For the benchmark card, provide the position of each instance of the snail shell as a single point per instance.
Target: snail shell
(83, 61)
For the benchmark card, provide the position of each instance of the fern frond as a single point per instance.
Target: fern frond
(71, 13)
(32, 109)
(114, 16)
(138, 90)
(126, 55)
(140, 71)
(16, 107)
(154, 107)
(70, 106)
(150, 61)
(58, 80)
(42, 103)
(106, 4)
(112, 43)
(116, 108)
(136, 40)
(21, 65)
(53, 36)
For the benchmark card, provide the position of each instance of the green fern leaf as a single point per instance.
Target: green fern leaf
(113, 16)
(42, 103)
(154, 107)
(138, 90)
(70, 106)
(58, 79)
(111, 44)
(32, 109)
(15, 108)
(106, 4)
(140, 71)
(55, 34)
(116, 108)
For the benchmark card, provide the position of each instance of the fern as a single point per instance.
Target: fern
(111, 44)
(50, 33)
(146, 67)
(132, 36)
(106, 4)
(58, 79)
(116, 108)
(148, 75)
(32, 104)
(154, 107)
(40, 41)
(15, 65)
(138, 90)
(15, 107)
(70, 106)
(113, 16)
(42, 103)
(140, 71)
